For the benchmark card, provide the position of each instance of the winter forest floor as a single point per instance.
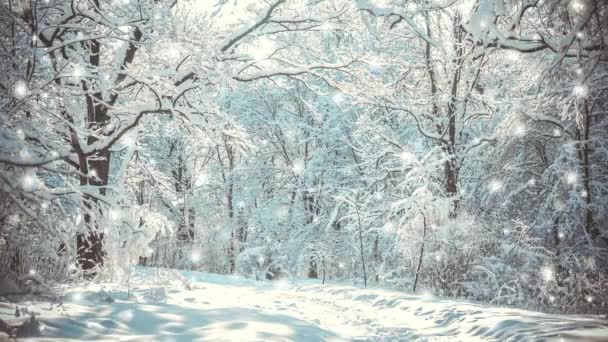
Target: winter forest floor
(156, 305)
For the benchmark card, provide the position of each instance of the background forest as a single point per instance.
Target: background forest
(458, 147)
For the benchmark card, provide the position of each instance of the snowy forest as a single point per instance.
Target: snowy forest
(443, 149)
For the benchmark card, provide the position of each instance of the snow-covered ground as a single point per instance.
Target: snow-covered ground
(158, 307)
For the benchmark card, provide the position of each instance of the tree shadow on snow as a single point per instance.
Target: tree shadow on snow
(169, 322)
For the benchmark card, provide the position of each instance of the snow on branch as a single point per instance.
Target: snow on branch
(483, 26)
(292, 71)
(246, 30)
(105, 144)
(366, 5)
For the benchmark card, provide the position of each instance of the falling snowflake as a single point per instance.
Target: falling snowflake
(561, 235)
(20, 89)
(589, 299)
(577, 6)
(519, 130)
(557, 133)
(78, 71)
(551, 298)
(506, 232)
(495, 185)
(195, 256)
(580, 90)
(114, 214)
(21, 136)
(548, 273)
(298, 167)
(28, 182)
(571, 178)
(32, 271)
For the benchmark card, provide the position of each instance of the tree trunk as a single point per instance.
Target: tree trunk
(361, 249)
(419, 267)
(89, 245)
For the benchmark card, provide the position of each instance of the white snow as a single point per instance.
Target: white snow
(224, 308)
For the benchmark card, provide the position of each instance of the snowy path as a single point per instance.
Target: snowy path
(234, 309)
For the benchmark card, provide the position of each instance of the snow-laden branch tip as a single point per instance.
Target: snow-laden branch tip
(483, 27)
(247, 29)
(290, 71)
(107, 142)
(366, 5)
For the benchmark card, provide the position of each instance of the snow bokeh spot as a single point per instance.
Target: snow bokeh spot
(519, 130)
(495, 185)
(571, 177)
(580, 90)
(578, 6)
(548, 273)
(298, 167)
(77, 296)
(29, 181)
(20, 89)
(195, 255)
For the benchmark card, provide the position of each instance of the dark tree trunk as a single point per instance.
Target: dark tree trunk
(419, 267)
(312, 268)
(89, 245)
